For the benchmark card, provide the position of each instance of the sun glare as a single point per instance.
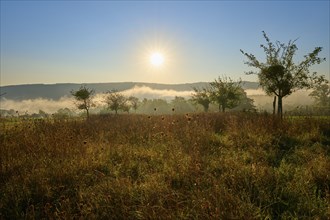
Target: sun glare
(156, 59)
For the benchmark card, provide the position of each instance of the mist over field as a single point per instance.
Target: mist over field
(261, 100)
(296, 99)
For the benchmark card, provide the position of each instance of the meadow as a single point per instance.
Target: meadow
(185, 166)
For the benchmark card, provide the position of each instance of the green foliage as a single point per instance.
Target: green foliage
(63, 113)
(133, 102)
(84, 98)
(181, 105)
(245, 104)
(321, 94)
(275, 79)
(116, 101)
(202, 97)
(280, 75)
(226, 92)
(155, 106)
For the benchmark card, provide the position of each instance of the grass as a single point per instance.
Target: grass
(198, 166)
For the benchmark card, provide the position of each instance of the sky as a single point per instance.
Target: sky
(112, 41)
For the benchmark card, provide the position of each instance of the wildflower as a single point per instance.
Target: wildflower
(155, 109)
(85, 142)
(173, 109)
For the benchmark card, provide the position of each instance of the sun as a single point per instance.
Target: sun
(156, 59)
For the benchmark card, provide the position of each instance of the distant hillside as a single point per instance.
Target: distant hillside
(56, 91)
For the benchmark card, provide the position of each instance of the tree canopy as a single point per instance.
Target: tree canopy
(202, 97)
(225, 92)
(321, 94)
(116, 101)
(279, 75)
(84, 96)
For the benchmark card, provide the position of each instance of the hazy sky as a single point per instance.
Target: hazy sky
(111, 41)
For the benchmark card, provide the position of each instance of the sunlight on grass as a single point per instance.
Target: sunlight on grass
(220, 166)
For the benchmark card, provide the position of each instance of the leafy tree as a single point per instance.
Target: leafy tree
(181, 105)
(42, 113)
(84, 98)
(202, 97)
(133, 101)
(63, 113)
(116, 101)
(154, 106)
(245, 104)
(279, 75)
(126, 108)
(321, 94)
(225, 92)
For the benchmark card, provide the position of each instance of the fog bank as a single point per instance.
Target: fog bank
(261, 101)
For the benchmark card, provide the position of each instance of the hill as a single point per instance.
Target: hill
(56, 91)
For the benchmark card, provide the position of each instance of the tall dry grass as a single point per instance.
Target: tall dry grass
(194, 166)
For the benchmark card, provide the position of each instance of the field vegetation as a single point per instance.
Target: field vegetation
(179, 166)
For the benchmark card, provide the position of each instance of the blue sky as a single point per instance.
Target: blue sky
(111, 41)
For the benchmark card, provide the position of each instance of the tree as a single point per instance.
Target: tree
(321, 94)
(116, 101)
(134, 101)
(63, 113)
(279, 75)
(202, 97)
(84, 98)
(154, 106)
(226, 92)
(42, 113)
(245, 104)
(181, 105)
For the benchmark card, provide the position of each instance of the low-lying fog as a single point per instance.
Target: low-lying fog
(261, 101)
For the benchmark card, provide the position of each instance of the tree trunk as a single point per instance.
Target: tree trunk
(223, 108)
(87, 111)
(206, 108)
(279, 106)
(274, 105)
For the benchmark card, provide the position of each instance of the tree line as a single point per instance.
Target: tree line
(116, 101)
